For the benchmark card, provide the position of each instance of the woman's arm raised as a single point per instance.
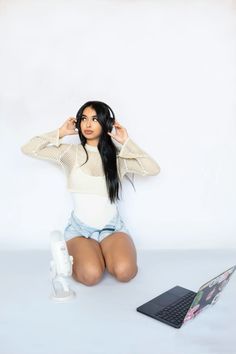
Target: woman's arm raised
(131, 158)
(39, 146)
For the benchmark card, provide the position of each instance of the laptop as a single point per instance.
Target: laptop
(178, 305)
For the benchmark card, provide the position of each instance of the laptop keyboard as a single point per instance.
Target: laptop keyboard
(176, 312)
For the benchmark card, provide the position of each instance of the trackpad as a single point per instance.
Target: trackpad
(166, 299)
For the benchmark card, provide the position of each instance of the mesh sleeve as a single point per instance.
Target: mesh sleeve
(132, 159)
(48, 146)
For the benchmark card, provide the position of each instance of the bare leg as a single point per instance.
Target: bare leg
(120, 255)
(88, 261)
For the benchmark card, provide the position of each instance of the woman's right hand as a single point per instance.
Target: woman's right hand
(68, 128)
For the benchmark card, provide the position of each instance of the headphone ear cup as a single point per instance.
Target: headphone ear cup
(110, 124)
(77, 123)
(111, 121)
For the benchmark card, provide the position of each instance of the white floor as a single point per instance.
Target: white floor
(103, 318)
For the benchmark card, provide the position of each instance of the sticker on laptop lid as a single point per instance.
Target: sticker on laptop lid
(208, 294)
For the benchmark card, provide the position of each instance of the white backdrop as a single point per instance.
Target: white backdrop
(167, 68)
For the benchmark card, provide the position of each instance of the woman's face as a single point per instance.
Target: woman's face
(90, 127)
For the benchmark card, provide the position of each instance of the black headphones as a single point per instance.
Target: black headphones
(111, 121)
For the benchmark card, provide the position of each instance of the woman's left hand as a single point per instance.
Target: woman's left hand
(121, 134)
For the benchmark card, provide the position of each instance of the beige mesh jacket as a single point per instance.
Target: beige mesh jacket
(130, 158)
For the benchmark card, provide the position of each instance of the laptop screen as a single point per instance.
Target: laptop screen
(208, 293)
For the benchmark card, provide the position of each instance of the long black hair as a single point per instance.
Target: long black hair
(106, 147)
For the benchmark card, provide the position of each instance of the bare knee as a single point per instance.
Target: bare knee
(89, 275)
(125, 271)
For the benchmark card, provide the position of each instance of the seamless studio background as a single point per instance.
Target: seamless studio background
(168, 71)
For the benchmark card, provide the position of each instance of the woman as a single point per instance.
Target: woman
(96, 235)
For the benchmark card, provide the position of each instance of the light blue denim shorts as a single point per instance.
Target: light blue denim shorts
(76, 227)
